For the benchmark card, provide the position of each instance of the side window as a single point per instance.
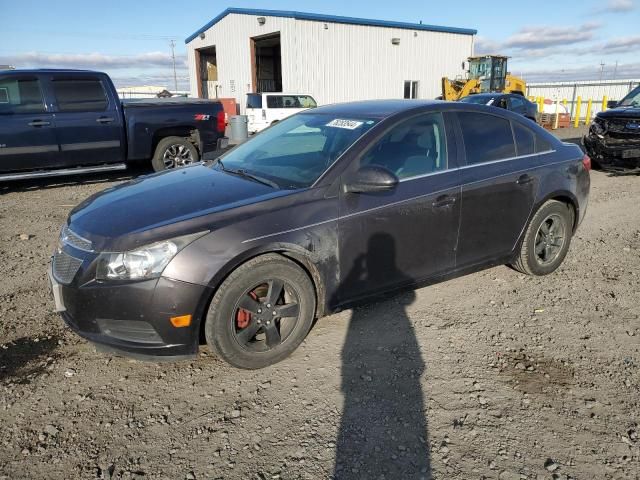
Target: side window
(415, 147)
(486, 137)
(516, 103)
(525, 139)
(542, 144)
(410, 89)
(275, 101)
(254, 100)
(80, 95)
(21, 95)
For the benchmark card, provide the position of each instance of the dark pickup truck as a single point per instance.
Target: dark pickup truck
(60, 122)
(613, 140)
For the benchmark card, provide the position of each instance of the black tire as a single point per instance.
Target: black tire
(174, 152)
(542, 252)
(233, 340)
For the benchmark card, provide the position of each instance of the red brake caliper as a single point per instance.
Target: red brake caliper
(243, 317)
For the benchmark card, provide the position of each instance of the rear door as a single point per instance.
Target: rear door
(88, 120)
(498, 188)
(27, 130)
(257, 116)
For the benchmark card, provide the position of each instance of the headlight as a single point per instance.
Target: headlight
(145, 262)
(599, 126)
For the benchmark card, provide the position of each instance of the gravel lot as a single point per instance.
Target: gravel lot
(493, 375)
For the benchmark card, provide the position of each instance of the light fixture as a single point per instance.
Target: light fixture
(326, 27)
(201, 35)
(395, 41)
(262, 21)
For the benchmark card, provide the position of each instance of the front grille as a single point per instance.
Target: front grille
(622, 125)
(65, 267)
(75, 240)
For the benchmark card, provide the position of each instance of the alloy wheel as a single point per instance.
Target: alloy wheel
(550, 239)
(176, 156)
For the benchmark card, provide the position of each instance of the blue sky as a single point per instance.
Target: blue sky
(548, 40)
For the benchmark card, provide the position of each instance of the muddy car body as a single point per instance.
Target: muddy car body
(378, 196)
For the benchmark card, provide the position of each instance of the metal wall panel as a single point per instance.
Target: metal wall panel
(334, 62)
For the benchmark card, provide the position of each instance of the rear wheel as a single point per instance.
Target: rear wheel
(174, 152)
(546, 240)
(261, 312)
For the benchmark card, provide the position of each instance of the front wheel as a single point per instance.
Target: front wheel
(261, 312)
(546, 240)
(174, 152)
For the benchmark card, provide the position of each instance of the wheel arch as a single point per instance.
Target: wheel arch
(189, 132)
(301, 257)
(563, 196)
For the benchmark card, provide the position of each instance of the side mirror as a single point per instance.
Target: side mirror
(612, 104)
(371, 178)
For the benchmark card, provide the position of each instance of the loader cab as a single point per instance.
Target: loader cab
(490, 70)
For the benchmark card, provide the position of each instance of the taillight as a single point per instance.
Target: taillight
(586, 162)
(221, 121)
(264, 114)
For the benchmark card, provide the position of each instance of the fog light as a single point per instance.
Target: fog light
(181, 321)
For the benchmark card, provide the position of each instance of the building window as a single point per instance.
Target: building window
(410, 89)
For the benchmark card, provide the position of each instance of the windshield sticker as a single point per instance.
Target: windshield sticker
(348, 124)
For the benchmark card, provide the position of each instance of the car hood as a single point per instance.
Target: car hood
(621, 112)
(163, 205)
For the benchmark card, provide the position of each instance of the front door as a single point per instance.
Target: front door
(88, 121)
(27, 131)
(498, 189)
(400, 237)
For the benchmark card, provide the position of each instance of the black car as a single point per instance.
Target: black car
(327, 208)
(614, 136)
(509, 101)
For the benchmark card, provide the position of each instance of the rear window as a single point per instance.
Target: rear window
(20, 95)
(80, 95)
(290, 101)
(254, 100)
(486, 137)
(525, 139)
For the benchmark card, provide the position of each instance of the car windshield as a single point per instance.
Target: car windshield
(478, 100)
(631, 100)
(295, 152)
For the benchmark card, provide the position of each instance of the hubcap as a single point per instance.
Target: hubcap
(266, 315)
(550, 239)
(177, 156)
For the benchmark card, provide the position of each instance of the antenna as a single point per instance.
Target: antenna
(173, 57)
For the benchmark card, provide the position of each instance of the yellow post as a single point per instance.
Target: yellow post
(557, 116)
(564, 102)
(604, 103)
(576, 120)
(587, 117)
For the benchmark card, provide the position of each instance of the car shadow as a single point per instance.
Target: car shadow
(26, 357)
(130, 173)
(383, 430)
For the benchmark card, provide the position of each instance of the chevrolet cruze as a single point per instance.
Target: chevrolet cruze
(330, 207)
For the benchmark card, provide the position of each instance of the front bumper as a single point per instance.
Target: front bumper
(619, 155)
(133, 318)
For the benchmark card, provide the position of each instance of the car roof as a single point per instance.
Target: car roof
(47, 70)
(375, 108)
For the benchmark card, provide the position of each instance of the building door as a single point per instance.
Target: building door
(266, 63)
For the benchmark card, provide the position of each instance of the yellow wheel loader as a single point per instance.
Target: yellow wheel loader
(487, 73)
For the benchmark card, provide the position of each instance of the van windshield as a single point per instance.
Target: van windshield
(295, 152)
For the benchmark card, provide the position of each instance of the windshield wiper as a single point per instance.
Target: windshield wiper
(243, 173)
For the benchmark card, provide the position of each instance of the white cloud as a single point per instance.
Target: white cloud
(540, 37)
(618, 6)
(93, 60)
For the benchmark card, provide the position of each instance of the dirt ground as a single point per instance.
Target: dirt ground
(491, 376)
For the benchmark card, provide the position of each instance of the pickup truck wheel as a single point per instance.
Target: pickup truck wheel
(174, 152)
(261, 313)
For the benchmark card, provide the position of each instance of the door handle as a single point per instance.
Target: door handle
(104, 119)
(524, 179)
(443, 201)
(39, 123)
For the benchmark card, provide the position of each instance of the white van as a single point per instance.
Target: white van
(264, 109)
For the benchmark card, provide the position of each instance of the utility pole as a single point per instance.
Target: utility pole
(615, 70)
(173, 57)
(601, 70)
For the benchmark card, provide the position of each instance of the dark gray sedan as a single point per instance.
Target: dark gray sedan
(333, 206)
(508, 101)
